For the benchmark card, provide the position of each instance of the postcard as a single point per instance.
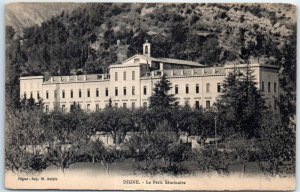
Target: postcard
(150, 96)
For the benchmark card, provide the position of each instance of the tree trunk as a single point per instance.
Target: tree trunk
(244, 169)
(107, 169)
(63, 170)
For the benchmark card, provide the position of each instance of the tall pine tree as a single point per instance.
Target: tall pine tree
(161, 96)
(241, 106)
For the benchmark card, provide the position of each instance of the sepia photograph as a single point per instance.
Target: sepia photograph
(150, 96)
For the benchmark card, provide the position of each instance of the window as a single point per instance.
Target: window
(207, 87)
(133, 90)
(88, 92)
(24, 94)
(186, 88)
(197, 88)
(275, 104)
(207, 104)
(124, 75)
(197, 105)
(88, 107)
(133, 75)
(31, 95)
(97, 107)
(275, 87)
(133, 105)
(116, 91)
(47, 94)
(97, 92)
(219, 87)
(124, 105)
(63, 93)
(106, 92)
(116, 105)
(63, 108)
(146, 49)
(176, 89)
(116, 76)
(71, 93)
(79, 93)
(124, 90)
(263, 86)
(269, 87)
(145, 90)
(55, 95)
(38, 95)
(145, 104)
(47, 108)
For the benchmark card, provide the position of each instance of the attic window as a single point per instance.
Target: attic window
(137, 60)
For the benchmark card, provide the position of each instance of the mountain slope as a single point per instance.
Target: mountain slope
(22, 15)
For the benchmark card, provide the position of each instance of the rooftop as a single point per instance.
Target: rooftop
(164, 60)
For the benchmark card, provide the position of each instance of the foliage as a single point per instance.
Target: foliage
(66, 134)
(161, 96)
(117, 121)
(241, 106)
(20, 151)
(243, 151)
(98, 152)
(213, 159)
(277, 151)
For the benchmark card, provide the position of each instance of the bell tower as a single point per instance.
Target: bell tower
(147, 49)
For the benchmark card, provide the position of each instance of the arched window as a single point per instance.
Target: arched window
(146, 49)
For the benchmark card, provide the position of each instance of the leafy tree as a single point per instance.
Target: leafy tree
(24, 133)
(211, 159)
(243, 150)
(277, 150)
(117, 121)
(66, 134)
(287, 80)
(97, 150)
(160, 96)
(149, 146)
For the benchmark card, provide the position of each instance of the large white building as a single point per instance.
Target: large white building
(130, 83)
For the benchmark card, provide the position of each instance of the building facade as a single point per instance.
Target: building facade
(130, 84)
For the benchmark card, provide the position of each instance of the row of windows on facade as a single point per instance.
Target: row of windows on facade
(124, 76)
(197, 90)
(269, 87)
(133, 106)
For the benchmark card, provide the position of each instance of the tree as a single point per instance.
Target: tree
(241, 106)
(75, 107)
(150, 147)
(97, 150)
(212, 159)
(161, 97)
(66, 134)
(24, 137)
(277, 149)
(287, 79)
(117, 121)
(243, 150)
(30, 104)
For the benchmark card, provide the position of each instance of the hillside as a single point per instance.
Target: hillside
(96, 35)
(22, 15)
